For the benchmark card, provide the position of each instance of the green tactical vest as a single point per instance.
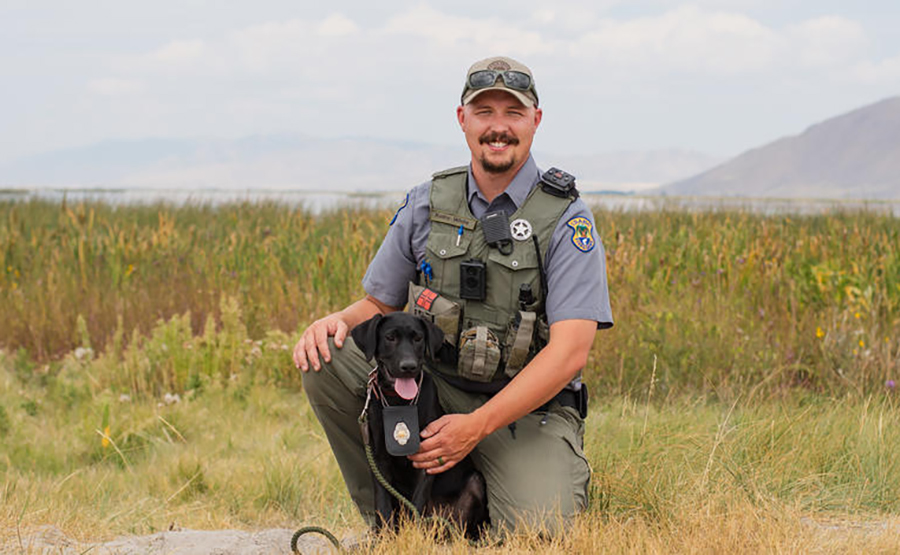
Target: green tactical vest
(505, 273)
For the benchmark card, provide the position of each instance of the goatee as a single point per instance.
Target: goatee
(502, 167)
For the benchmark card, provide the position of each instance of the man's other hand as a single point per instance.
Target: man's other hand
(446, 441)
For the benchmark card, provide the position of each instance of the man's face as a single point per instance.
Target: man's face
(499, 130)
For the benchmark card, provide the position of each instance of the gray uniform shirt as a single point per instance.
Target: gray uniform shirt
(576, 271)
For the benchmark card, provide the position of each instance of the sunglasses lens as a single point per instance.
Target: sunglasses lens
(517, 80)
(482, 79)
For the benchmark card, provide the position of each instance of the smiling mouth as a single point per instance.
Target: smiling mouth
(498, 141)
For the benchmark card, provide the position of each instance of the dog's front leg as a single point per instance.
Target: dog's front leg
(384, 507)
(422, 492)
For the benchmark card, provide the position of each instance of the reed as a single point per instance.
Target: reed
(729, 302)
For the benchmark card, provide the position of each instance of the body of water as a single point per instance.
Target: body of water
(318, 202)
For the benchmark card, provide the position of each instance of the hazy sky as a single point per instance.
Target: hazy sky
(718, 77)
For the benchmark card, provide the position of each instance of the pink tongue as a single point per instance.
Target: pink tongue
(406, 388)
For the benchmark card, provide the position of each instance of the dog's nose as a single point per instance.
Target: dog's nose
(408, 366)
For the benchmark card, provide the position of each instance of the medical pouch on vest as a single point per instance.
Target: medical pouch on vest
(495, 341)
(433, 306)
(479, 354)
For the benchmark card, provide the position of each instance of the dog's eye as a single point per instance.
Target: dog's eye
(417, 338)
(390, 336)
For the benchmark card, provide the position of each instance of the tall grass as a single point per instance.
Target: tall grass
(743, 403)
(728, 302)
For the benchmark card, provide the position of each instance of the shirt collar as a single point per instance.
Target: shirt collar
(517, 190)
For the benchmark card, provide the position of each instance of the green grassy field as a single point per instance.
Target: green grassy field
(743, 403)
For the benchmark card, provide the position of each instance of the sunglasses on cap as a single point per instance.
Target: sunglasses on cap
(515, 80)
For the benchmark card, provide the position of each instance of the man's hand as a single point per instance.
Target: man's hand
(447, 441)
(314, 341)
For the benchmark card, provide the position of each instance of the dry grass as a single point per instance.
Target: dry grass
(766, 425)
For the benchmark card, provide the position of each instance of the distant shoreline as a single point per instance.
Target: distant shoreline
(318, 201)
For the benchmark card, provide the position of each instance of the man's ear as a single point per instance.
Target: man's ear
(434, 337)
(365, 335)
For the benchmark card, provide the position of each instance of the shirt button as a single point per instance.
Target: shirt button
(443, 252)
(515, 263)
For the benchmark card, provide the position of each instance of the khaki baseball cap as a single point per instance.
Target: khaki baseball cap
(528, 97)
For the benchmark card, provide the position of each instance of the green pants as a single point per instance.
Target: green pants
(537, 477)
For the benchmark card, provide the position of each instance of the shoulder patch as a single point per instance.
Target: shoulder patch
(582, 233)
(397, 213)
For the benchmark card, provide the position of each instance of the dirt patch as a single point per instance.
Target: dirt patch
(52, 541)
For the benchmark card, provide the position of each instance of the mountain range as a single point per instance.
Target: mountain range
(852, 156)
(297, 162)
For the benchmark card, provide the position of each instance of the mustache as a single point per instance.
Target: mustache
(495, 136)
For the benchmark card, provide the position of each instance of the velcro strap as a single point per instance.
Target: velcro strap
(481, 336)
(520, 347)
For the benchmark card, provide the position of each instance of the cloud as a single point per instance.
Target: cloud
(336, 25)
(113, 86)
(180, 52)
(827, 41)
(340, 74)
(486, 36)
(686, 39)
(881, 71)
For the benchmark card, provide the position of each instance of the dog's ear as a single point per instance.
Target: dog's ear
(434, 338)
(365, 335)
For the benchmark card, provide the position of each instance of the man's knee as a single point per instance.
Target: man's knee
(540, 493)
(343, 376)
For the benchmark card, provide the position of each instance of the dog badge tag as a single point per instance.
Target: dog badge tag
(401, 430)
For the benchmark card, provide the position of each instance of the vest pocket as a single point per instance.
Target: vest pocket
(443, 245)
(445, 314)
(479, 354)
(507, 273)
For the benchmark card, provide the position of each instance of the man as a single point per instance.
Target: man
(527, 303)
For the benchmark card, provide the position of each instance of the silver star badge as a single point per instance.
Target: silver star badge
(520, 229)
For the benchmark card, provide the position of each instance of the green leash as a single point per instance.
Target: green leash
(364, 429)
(317, 529)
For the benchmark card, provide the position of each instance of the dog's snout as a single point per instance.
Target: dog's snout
(409, 366)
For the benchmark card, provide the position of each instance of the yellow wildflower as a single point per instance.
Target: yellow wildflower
(105, 440)
(819, 333)
(862, 344)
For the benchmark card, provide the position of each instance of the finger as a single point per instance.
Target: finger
(300, 355)
(435, 426)
(427, 460)
(425, 453)
(448, 464)
(340, 333)
(322, 343)
(312, 354)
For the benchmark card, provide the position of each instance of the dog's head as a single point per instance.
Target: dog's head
(399, 343)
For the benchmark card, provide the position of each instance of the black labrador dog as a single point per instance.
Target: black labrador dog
(399, 343)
